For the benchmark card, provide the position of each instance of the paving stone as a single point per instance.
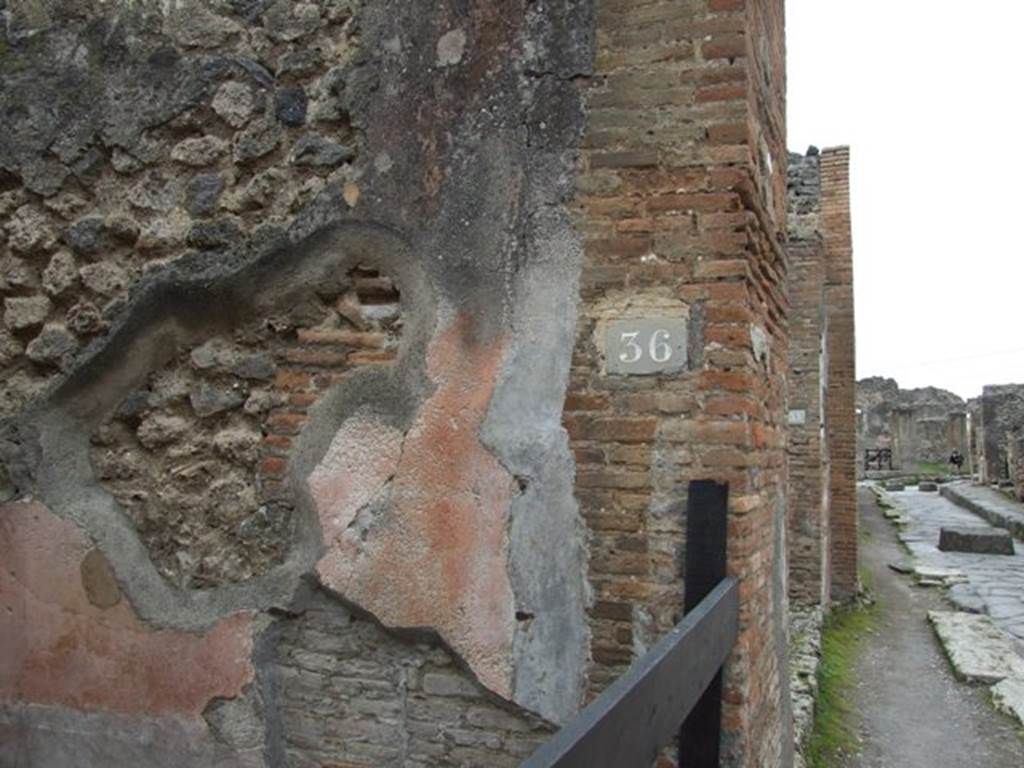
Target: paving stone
(986, 541)
(988, 583)
(941, 575)
(979, 651)
(1008, 696)
(965, 598)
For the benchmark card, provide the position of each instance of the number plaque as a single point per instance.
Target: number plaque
(646, 346)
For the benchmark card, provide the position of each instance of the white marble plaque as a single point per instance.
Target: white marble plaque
(645, 346)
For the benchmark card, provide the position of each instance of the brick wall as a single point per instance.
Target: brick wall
(841, 410)
(678, 222)
(350, 694)
(809, 469)
(809, 541)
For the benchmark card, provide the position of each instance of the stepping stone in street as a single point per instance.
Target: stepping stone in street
(928, 486)
(893, 485)
(1008, 696)
(978, 541)
(979, 651)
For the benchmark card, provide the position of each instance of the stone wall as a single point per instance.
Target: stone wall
(288, 299)
(921, 426)
(680, 210)
(1015, 460)
(1001, 410)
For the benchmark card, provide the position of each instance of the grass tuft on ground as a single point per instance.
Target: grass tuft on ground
(835, 723)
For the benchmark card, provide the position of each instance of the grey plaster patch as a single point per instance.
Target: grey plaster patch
(780, 627)
(523, 427)
(805, 658)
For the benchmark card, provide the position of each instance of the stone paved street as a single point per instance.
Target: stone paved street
(993, 584)
(911, 711)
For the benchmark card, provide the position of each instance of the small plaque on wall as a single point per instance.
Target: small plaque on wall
(797, 418)
(646, 346)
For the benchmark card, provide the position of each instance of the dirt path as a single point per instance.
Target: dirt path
(914, 714)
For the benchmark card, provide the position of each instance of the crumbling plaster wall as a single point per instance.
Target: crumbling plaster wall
(180, 175)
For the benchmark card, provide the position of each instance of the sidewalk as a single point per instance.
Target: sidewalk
(990, 504)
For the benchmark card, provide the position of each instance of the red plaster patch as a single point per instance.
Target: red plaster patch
(57, 648)
(439, 557)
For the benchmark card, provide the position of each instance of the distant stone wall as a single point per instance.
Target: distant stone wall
(1015, 460)
(921, 426)
(1001, 411)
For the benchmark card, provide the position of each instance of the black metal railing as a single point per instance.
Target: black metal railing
(675, 689)
(877, 458)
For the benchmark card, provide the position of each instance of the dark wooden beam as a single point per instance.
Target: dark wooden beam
(640, 713)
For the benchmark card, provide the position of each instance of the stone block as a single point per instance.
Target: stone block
(977, 648)
(1008, 697)
(928, 487)
(894, 485)
(976, 540)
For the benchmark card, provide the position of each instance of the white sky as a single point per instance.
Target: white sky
(929, 95)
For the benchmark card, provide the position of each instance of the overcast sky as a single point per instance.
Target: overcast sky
(929, 95)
